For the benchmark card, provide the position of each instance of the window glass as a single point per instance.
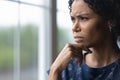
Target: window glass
(23, 27)
(30, 19)
(8, 23)
(64, 6)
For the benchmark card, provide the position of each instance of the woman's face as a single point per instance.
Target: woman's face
(89, 29)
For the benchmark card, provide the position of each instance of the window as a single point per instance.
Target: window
(25, 39)
(8, 24)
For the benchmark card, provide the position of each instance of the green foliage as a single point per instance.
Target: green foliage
(6, 57)
(6, 48)
(28, 46)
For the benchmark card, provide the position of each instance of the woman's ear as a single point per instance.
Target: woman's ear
(111, 25)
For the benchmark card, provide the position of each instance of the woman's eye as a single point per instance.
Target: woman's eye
(72, 19)
(83, 18)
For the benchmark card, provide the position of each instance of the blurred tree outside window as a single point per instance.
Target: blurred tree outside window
(19, 31)
(8, 24)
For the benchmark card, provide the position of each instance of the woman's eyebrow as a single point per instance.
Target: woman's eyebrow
(81, 14)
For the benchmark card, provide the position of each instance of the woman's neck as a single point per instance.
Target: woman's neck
(103, 55)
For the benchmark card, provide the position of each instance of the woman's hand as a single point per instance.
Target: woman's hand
(65, 56)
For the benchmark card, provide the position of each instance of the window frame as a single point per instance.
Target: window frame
(47, 47)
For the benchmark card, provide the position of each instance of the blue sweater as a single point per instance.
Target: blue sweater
(84, 72)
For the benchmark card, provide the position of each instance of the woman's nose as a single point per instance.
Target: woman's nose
(76, 27)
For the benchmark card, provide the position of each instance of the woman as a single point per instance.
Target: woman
(96, 28)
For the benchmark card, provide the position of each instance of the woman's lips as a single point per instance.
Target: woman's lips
(78, 39)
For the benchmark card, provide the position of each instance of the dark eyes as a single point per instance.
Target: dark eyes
(73, 19)
(81, 18)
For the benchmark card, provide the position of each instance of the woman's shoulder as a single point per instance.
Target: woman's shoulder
(116, 70)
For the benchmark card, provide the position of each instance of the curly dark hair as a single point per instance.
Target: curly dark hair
(108, 10)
